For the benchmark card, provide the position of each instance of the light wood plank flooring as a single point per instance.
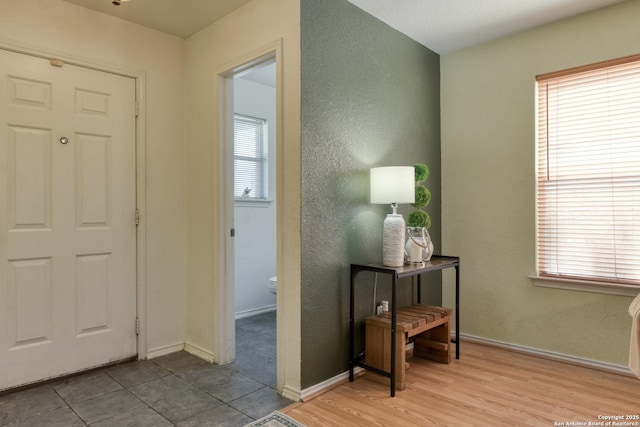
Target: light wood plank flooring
(488, 386)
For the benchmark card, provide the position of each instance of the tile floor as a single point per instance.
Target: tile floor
(178, 389)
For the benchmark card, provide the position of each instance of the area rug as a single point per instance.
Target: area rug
(275, 419)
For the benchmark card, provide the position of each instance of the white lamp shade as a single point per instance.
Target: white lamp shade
(392, 184)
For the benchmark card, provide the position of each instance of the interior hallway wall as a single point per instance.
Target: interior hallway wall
(370, 97)
(234, 39)
(55, 26)
(488, 187)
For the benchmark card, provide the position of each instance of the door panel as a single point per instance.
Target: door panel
(67, 224)
(29, 177)
(30, 302)
(93, 163)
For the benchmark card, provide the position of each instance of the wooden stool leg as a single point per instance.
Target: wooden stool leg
(434, 344)
(378, 354)
(401, 359)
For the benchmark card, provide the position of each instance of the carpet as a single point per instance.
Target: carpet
(275, 419)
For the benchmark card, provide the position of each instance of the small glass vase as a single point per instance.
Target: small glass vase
(419, 247)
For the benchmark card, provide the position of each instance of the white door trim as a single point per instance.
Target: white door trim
(224, 339)
(140, 79)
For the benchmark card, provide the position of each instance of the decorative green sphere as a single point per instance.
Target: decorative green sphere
(421, 171)
(419, 219)
(423, 197)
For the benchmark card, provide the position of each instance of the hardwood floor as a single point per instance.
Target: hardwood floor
(488, 386)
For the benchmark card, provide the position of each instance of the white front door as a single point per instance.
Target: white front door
(67, 219)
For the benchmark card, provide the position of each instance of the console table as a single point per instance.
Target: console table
(437, 262)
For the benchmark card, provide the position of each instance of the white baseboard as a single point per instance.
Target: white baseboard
(291, 393)
(326, 385)
(255, 311)
(164, 350)
(199, 352)
(189, 348)
(574, 360)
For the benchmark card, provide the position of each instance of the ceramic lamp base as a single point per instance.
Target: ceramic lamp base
(393, 241)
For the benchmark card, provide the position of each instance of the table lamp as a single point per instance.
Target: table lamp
(393, 185)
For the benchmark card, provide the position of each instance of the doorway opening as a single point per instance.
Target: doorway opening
(247, 330)
(254, 213)
(255, 190)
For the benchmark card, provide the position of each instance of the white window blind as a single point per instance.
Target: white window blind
(250, 157)
(588, 173)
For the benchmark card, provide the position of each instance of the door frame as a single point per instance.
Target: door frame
(224, 330)
(140, 150)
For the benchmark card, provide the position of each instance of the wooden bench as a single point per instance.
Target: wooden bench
(429, 327)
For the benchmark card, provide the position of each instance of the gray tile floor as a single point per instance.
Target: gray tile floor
(178, 389)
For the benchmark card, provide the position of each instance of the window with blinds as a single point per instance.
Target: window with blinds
(588, 173)
(250, 157)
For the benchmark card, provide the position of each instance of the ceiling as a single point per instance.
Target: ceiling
(447, 25)
(181, 18)
(441, 25)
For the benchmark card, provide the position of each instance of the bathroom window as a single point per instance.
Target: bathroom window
(250, 157)
(588, 174)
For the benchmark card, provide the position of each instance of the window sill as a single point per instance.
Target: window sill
(253, 203)
(585, 286)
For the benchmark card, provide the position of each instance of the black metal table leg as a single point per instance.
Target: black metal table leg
(394, 282)
(351, 325)
(457, 312)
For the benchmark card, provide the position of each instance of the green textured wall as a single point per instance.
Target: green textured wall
(488, 187)
(370, 97)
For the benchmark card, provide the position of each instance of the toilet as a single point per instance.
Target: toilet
(273, 284)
